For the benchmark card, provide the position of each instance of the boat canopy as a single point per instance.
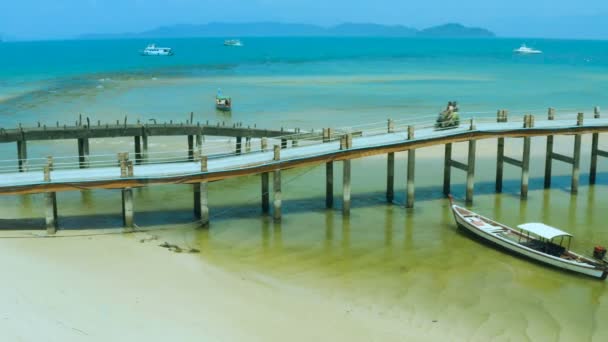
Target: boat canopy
(542, 230)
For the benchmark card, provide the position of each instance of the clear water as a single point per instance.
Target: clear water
(410, 264)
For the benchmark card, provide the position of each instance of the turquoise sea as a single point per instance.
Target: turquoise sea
(406, 263)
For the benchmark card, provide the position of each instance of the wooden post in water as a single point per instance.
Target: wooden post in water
(199, 144)
(50, 203)
(411, 169)
(501, 116)
(447, 168)
(22, 155)
(264, 144)
(83, 152)
(144, 144)
(277, 185)
(346, 143)
(525, 168)
(594, 150)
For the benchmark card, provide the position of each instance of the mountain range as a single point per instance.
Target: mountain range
(272, 29)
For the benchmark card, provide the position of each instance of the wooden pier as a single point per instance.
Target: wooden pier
(328, 146)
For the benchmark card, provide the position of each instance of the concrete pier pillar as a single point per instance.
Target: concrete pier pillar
(576, 164)
(50, 202)
(137, 143)
(411, 169)
(525, 168)
(127, 208)
(548, 161)
(471, 171)
(83, 152)
(190, 147)
(276, 187)
(265, 193)
(500, 155)
(593, 166)
(239, 147)
(390, 176)
(346, 187)
(329, 184)
(447, 168)
(21, 155)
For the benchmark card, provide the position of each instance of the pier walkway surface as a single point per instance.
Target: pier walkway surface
(371, 142)
(214, 161)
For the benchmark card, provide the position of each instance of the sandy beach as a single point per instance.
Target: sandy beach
(115, 287)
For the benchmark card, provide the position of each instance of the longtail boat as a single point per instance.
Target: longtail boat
(536, 241)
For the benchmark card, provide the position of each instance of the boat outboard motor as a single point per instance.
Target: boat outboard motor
(599, 252)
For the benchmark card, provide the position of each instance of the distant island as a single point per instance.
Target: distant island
(271, 29)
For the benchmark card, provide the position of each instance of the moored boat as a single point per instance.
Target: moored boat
(153, 50)
(232, 42)
(536, 241)
(222, 102)
(524, 50)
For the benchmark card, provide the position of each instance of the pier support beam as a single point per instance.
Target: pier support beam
(21, 155)
(594, 150)
(329, 185)
(471, 171)
(411, 169)
(239, 145)
(127, 208)
(575, 160)
(265, 193)
(500, 154)
(137, 142)
(524, 163)
(447, 171)
(50, 202)
(201, 197)
(190, 147)
(144, 143)
(83, 153)
(469, 168)
(390, 177)
(276, 186)
(346, 187)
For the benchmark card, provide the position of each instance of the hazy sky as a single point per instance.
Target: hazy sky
(39, 19)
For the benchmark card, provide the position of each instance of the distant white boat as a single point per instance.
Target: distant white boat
(232, 42)
(153, 50)
(524, 50)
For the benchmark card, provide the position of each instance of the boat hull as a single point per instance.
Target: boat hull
(529, 253)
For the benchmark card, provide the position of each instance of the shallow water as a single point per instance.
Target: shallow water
(407, 263)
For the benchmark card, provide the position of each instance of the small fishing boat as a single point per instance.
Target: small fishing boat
(153, 50)
(524, 50)
(232, 42)
(222, 102)
(537, 241)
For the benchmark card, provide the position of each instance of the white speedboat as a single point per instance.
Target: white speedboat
(232, 42)
(524, 50)
(536, 241)
(153, 50)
